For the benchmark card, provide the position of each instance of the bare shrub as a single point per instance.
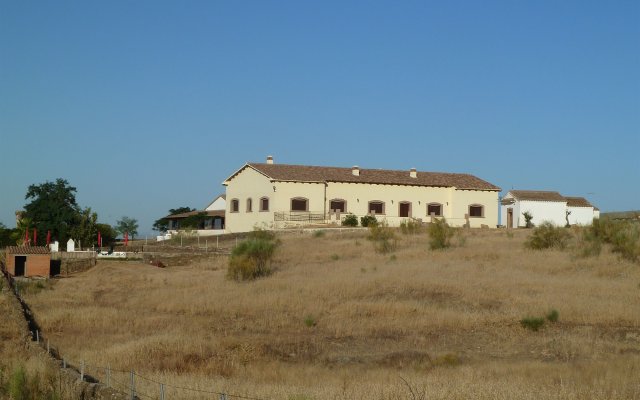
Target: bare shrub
(383, 237)
(410, 227)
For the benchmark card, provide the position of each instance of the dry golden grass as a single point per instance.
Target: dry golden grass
(337, 320)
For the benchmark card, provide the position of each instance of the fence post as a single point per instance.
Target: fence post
(82, 370)
(162, 391)
(133, 385)
(37, 336)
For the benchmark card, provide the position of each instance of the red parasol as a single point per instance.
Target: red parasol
(126, 238)
(48, 237)
(99, 239)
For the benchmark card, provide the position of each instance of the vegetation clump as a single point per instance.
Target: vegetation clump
(532, 323)
(350, 220)
(410, 227)
(368, 221)
(251, 259)
(527, 219)
(548, 236)
(440, 234)
(622, 236)
(553, 316)
(383, 237)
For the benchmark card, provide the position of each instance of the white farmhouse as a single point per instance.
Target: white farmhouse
(272, 196)
(545, 206)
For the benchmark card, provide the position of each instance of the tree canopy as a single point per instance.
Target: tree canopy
(52, 207)
(127, 225)
(162, 224)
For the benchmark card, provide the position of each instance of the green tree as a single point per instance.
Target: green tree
(6, 236)
(52, 207)
(194, 221)
(18, 234)
(126, 224)
(108, 234)
(85, 229)
(162, 224)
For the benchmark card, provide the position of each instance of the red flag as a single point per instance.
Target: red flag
(35, 237)
(48, 237)
(126, 238)
(99, 240)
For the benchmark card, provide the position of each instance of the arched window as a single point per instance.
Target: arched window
(299, 204)
(404, 209)
(235, 205)
(264, 204)
(434, 209)
(376, 207)
(338, 205)
(249, 205)
(476, 211)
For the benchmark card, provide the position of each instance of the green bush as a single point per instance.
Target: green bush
(440, 234)
(623, 236)
(626, 242)
(547, 236)
(251, 258)
(383, 237)
(318, 234)
(368, 220)
(410, 227)
(350, 220)
(532, 323)
(553, 315)
(309, 321)
(527, 219)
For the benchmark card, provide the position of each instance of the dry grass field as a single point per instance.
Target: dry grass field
(338, 321)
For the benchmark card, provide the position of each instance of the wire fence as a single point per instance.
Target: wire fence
(130, 383)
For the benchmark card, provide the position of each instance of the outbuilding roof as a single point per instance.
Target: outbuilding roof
(577, 202)
(537, 195)
(27, 250)
(308, 173)
(212, 213)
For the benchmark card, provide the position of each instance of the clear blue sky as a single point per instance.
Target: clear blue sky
(150, 105)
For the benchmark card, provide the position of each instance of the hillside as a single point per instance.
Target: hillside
(337, 320)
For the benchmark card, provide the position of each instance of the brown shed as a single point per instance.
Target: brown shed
(28, 261)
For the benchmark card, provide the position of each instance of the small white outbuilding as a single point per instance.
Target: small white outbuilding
(545, 206)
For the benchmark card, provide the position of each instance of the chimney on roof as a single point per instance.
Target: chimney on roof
(269, 160)
(355, 170)
(413, 173)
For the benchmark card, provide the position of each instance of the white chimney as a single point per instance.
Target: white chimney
(269, 160)
(413, 173)
(355, 170)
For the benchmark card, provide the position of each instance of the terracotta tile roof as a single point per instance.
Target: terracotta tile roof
(306, 173)
(213, 213)
(537, 195)
(577, 202)
(27, 250)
